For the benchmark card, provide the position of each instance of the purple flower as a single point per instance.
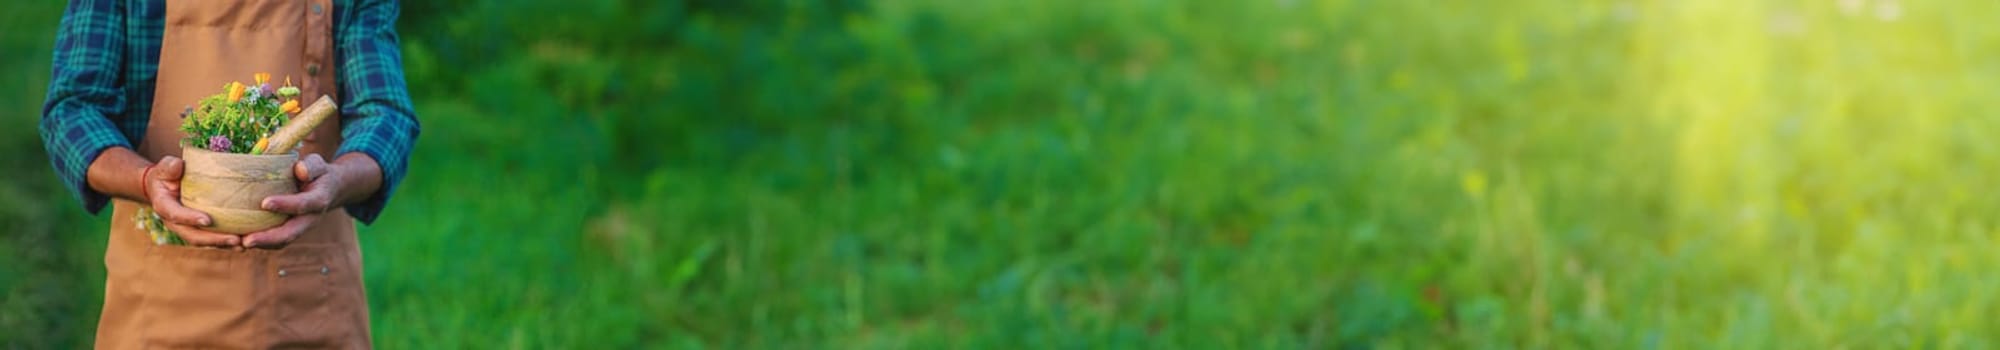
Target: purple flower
(218, 143)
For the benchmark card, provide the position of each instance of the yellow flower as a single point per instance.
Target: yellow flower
(262, 78)
(261, 142)
(290, 107)
(235, 91)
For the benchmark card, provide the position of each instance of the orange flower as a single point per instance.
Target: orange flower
(235, 91)
(261, 142)
(290, 107)
(262, 78)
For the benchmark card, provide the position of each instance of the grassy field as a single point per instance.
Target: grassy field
(1148, 174)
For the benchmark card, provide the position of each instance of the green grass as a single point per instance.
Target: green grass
(1149, 174)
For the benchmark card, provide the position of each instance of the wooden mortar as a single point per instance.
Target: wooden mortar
(231, 187)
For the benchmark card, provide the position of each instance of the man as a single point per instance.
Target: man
(124, 72)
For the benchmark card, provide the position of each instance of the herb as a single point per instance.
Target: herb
(155, 227)
(238, 119)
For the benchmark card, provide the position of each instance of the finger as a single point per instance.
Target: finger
(198, 237)
(170, 209)
(173, 212)
(309, 168)
(165, 196)
(312, 201)
(278, 237)
(168, 169)
(168, 172)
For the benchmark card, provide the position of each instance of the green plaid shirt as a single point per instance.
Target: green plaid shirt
(107, 56)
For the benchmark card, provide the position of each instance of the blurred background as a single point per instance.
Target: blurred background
(1147, 174)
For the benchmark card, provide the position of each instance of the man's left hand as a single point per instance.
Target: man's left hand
(319, 192)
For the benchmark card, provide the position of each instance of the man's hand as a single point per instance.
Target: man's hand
(162, 185)
(324, 186)
(320, 192)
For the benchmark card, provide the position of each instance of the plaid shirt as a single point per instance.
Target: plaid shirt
(107, 56)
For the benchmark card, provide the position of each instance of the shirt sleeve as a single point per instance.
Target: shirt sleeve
(85, 92)
(377, 116)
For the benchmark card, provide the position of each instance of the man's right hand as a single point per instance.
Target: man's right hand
(162, 184)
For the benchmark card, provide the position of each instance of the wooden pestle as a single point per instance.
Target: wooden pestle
(288, 136)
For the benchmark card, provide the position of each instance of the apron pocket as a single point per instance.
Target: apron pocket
(198, 297)
(304, 291)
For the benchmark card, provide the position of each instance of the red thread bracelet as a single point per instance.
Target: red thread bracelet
(142, 181)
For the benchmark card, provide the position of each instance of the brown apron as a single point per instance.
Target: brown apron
(308, 294)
